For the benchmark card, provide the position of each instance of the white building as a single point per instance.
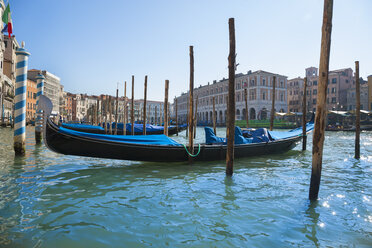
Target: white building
(259, 86)
(52, 87)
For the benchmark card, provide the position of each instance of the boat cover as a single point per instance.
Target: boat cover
(83, 126)
(138, 128)
(291, 133)
(159, 139)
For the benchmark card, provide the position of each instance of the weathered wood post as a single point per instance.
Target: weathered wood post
(110, 114)
(272, 113)
(304, 135)
(116, 111)
(145, 106)
(39, 122)
(214, 116)
(101, 119)
(132, 107)
(246, 106)
(106, 108)
(230, 127)
(321, 106)
(97, 112)
(187, 118)
(125, 110)
(357, 115)
(196, 116)
(191, 101)
(20, 101)
(156, 115)
(176, 116)
(166, 107)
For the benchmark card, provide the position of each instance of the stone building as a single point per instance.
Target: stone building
(295, 92)
(351, 96)
(68, 99)
(259, 85)
(7, 74)
(52, 87)
(339, 81)
(30, 100)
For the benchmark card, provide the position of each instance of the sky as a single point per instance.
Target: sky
(94, 46)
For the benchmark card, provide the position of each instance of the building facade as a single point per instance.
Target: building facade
(31, 100)
(52, 87)
(351, 96)
(295, 92)
(339, 81)
(259, 85)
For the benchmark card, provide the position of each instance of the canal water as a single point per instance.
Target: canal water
(52, 200)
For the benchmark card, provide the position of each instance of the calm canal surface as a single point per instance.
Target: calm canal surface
(52, 200)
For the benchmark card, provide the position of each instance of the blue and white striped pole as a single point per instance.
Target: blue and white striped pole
(20, 101)
(39, 120)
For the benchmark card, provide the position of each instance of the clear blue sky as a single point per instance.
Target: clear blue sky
(92, 45)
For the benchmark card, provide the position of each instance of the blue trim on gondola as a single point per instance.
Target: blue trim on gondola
(160, 139)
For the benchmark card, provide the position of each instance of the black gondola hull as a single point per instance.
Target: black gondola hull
(70, 144)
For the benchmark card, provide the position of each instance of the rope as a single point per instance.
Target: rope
(190, 153)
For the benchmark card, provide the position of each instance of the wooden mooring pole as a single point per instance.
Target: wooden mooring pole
(106, 108)
(156, 115)
(191, 105)
(116, 111)
(246, 106)
(230, 127)
(214, 116)
(304, 135)
(357, 114)
(187, 118)
(144, 106)
(101, 115)
(166, 107)
(196, 116)
(125, 110)
(176, 116)
(272, 112)
(110, 114)
(321, 105)
(132, 107)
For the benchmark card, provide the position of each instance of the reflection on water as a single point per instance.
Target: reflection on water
(52, 200)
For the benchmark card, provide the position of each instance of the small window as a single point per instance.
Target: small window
(334, 80)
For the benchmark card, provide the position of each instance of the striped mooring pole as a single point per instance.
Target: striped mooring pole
(39, 120)
(20, 100)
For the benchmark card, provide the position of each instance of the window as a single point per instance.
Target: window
(263, 82)
(315, 83)
(333, 99)
(314, 101)
(263, 96)
(315, 92)
(333, 90)
(334, 80)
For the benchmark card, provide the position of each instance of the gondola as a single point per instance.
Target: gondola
(160, 148)
(138, 128)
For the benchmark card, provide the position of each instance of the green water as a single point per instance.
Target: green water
(52, 200)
